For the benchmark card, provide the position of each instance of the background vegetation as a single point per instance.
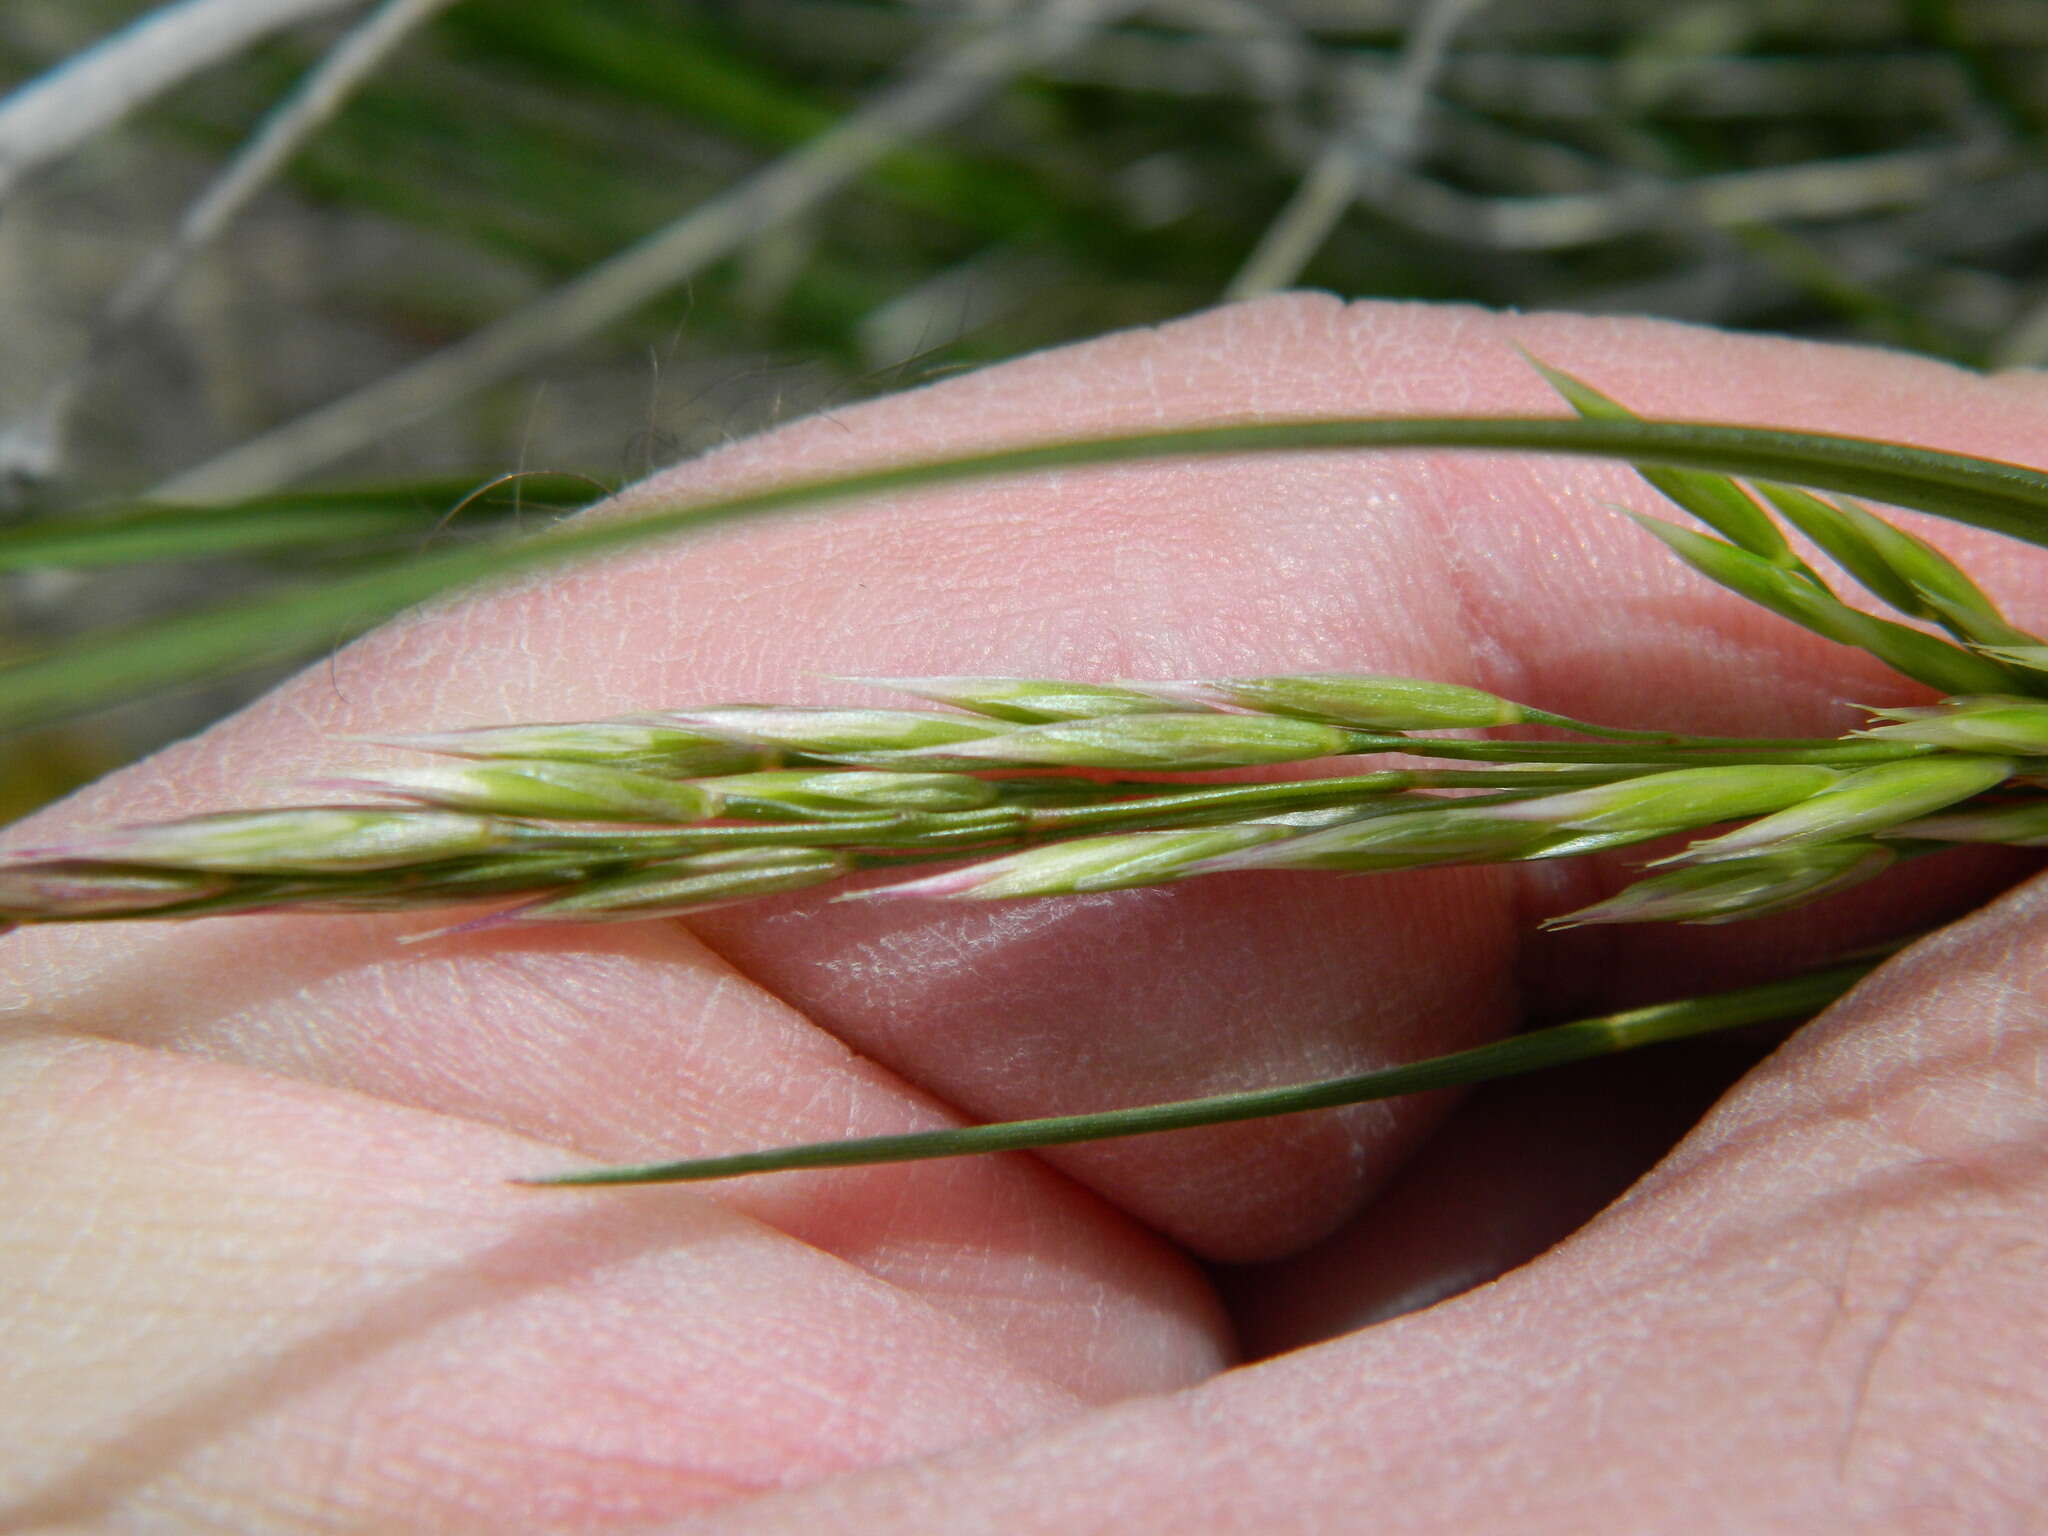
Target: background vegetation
(285, 279)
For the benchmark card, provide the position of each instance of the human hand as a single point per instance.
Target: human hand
(263, 1270)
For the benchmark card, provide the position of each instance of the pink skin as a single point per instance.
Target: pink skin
(263, 1271)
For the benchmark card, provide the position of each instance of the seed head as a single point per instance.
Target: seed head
(1981, 723)
(2024, 825)
(694, 884)
(314, 840)
(1340, 698)
(788, 791)
(646, 743)
(1673, 801)
(1086, 864)
(1860, 804)
(56, 889)
(1025, 700)
(577, 791)
(834, 732)
(1161, 743)
(1406, 839)
(1731, 889)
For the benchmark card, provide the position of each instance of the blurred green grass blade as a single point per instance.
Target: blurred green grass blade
(1829, 282)
(561, 181)
(511, 176)
(546, 184)
(669, 60)
(91, 673)
(138, 534)
(1581, 1040)
(681, 64)
(341, 522)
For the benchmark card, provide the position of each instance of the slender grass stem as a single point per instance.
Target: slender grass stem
(1558, 1045)
(2006, 498)
(1661, 738)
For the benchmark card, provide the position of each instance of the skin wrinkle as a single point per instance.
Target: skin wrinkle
(1890, 1321)
(1883, 1092)
(1855, 1238)
(1983, 1427)
(1871, 1194)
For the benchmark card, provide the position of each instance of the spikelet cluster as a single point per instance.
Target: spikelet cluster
(1015, 788)
(1037, 788)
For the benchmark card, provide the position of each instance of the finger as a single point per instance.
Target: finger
(239, 1302)
(630, 1043)
(1496, 571)
(1823, 1312)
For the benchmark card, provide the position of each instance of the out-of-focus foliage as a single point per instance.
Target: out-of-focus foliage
(1858, 169)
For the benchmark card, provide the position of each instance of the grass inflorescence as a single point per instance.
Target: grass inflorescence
(1016, 788)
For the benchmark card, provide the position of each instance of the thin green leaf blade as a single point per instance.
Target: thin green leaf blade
(179, 534)
(92, 673)
(1555, 1046)
(348, 521)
